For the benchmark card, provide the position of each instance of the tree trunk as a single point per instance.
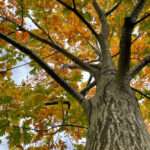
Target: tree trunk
(115, 122)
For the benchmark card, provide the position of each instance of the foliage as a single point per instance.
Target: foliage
(39, 108)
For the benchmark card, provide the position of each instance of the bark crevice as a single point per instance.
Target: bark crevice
(116, 122)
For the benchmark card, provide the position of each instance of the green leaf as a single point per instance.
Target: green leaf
(14, 137)
(27, 135)
(145, 26)
(87, 16)
(3, 125)
(5, 100)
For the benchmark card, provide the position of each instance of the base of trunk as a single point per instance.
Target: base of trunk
(116, 123)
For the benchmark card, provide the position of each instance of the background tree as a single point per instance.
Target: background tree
(68, 39)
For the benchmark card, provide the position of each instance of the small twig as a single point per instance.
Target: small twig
(52, 127)
(97, 51)
(141, 93)
(134, 40)
(22, 12)
(27, 63)
(42, 29)
(116, 54)
(113, 8)
(89, 26)
(142, 19)
(56, 102)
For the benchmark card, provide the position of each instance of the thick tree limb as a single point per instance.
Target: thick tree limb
(45, 66)
(113, 8)
(137, 10)
(102, 18)
(85, 90)
(103, 36)
(136, 69)
(141, 93)
(125, 48)
(74, 4)
(125, 41)
(74, 10)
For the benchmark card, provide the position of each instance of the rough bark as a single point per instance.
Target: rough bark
(115, 122)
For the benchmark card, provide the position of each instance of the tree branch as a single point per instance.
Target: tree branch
(45, 66)
(74, 4)
(142, 19)
(74, 10)
(137, 37)
(85, 90)
(27, 63)
(137, 10)
(56, 47)
(103, 36)
(52, 127)
(42, 29)
(113, 8)
(45, 130)
(125, 48)
(141, 93)
(125, 41)
(55, 102)
(22, 12)
(102, 18)
(136, 69)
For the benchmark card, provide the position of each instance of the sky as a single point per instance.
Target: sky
(4, 144)
(21, 73)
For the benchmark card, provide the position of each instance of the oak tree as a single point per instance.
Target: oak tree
(66, 39)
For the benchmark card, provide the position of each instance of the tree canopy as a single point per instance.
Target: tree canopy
(64, 41)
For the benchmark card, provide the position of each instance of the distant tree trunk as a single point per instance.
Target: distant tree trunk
(115, 122)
